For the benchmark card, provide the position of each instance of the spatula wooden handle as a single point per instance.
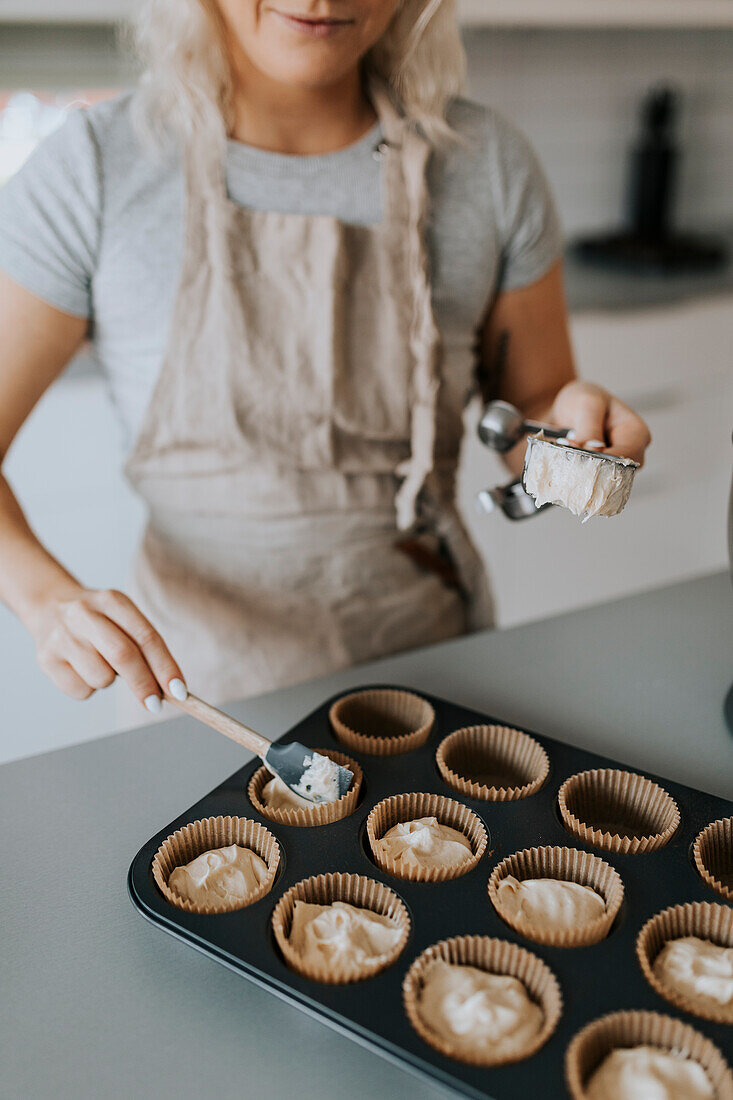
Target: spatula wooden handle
(222, 723)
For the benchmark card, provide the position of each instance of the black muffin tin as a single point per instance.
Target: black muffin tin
(594, 980)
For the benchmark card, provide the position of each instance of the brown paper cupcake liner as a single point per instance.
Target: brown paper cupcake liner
(383, 722)
(497, 957)
(703, 919)
(408, 807)
(325, 813)
(494, 763)
(201, 836)
(629, 1029)
(357, 890)
(617, 810)
(713, 855)
(568, 865)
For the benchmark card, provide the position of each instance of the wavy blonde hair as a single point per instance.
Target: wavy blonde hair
(186, 84)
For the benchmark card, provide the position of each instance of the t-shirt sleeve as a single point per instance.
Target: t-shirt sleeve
(50, 216)
(527, 217)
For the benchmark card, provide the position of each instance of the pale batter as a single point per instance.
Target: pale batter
(701, 971)
(647, 1073)
(278, 796)
(587, 484)
(424, 844)
(477, 1012)
(320, 780)
(340, 934)
(549, 905)
(222, 875)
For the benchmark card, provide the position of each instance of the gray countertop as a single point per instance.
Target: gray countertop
(97, 1003)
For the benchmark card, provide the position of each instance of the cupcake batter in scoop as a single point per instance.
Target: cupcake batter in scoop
(647, 1073)
(584, 483)
(425, 844)
(701, 971)
(340, 934)
(221, 875)
(550, 905)
(478, 1012)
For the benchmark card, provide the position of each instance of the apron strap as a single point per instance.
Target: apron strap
(424, 336)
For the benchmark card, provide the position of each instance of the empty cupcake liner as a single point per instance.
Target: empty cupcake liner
(630, 1029)
(356, 890)
(383, 721)
(323, 814)
(409, 807)
(703, 919)
(186, 844)
(617, 810)
(568, 865)
(497, 957)
(493, 763)
(713, 855)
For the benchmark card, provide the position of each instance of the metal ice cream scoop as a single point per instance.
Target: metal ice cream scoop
(502, 426)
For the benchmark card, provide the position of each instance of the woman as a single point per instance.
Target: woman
(292, 289)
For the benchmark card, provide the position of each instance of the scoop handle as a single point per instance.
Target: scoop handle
(222, 723)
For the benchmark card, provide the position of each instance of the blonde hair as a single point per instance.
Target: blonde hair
(186, 84)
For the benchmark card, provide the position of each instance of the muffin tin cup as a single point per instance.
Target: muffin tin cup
(519, 763)
(382, 721)
(567, 865)
(409, 807)
(629, 1029)
(323, 814)
(713, 855)
(356, 890)
(620, 811)
(187, 843)
(496, 957)
(703, 919)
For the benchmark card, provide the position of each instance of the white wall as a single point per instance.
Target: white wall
(576, 95)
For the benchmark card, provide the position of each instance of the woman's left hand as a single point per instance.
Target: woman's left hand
(596, 416)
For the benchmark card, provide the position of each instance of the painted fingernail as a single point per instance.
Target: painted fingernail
(595, 445)
(571, 435)
(154, 704)
(178, 689)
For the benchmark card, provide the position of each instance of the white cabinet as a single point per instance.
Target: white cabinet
(597, 13)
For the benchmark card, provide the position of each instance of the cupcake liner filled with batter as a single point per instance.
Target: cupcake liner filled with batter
(325, 952)
(528, 984)
(713, 855)
(493, 763)
(211, 835)
(382, 721)
(424, 852)
(620, 1031)
(300, 812)
(618, 810)
(593, 881)
(689, 974)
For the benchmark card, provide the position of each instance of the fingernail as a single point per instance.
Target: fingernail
(178, 689)
(154, 704)
(594, 445)
(571, 435)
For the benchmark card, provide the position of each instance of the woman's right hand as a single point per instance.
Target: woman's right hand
(88, 637)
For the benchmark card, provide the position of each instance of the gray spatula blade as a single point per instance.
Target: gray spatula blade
(290, 763)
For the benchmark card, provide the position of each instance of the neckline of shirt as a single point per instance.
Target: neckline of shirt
(249, 158)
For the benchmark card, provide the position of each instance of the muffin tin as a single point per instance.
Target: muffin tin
(594, 980)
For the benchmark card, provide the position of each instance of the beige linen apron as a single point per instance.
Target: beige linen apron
(292, 436)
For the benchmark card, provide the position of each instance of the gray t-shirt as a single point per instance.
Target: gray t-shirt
(93, 224)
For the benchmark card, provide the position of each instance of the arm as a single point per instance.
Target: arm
(84, 638)
(526, 359)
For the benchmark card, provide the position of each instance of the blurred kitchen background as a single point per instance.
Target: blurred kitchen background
(572, 74)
